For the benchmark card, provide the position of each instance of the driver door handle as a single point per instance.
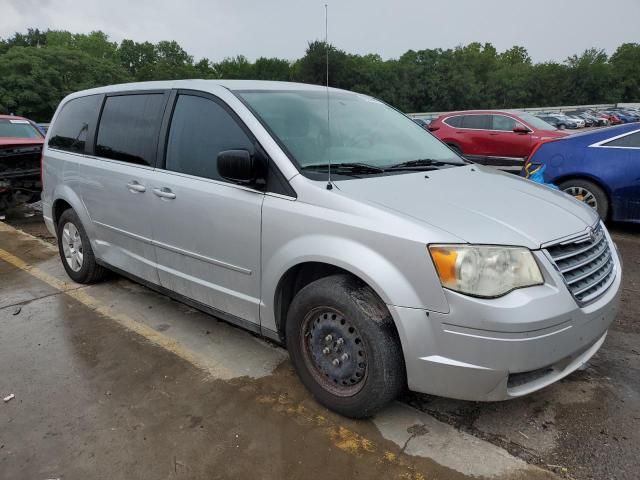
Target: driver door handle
(164, 192)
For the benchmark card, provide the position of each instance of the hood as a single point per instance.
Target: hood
(477, 204)
(18, 142)
(542, 135)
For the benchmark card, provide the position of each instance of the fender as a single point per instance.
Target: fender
(381, 274)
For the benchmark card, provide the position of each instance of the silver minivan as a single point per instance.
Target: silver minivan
(331, 223)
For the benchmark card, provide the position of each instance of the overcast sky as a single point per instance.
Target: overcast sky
(549, 29)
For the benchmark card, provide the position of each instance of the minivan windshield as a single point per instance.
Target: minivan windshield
(361, 131)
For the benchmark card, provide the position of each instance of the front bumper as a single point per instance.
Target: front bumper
(488, 350)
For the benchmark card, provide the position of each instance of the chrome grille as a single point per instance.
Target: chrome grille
(586, 264)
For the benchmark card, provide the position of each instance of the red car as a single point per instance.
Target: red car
(489, 137)
(20, 151)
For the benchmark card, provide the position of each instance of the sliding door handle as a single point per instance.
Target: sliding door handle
(164, 193)
(136, 187)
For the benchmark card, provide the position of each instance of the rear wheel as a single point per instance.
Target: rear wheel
(589, 193)
(75, 250)
(344, 346)
(561, 126)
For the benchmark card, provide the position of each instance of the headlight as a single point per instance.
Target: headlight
(484, 271)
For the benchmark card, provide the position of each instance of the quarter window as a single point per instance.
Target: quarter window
(200, 129)
(454, 121)
(69, 132)
(500, 122)
(629, 141)
(129, 128)
(480, 122)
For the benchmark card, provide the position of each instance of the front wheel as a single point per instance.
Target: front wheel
(589, 193)
(344, 346)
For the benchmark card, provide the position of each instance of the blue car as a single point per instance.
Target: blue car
(600, 168)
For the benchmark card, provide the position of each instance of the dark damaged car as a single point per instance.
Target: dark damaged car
(20, 152)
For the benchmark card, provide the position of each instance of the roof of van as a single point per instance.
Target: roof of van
(196, 84)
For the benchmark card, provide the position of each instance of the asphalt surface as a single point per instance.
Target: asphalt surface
(115, 381)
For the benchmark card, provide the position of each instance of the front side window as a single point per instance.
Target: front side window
(129, 127)
(200, 129)
(69, 131)
(478, 122)
(628, 141)
(360, 129)
(500, 122)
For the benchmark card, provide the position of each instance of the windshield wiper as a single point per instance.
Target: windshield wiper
(422, 164)
(357, 168)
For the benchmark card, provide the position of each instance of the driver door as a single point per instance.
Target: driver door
(207, 229)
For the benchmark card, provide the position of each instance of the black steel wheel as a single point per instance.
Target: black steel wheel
(344, 346)
(334, 351)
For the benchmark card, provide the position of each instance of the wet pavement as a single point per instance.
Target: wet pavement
(115, 381)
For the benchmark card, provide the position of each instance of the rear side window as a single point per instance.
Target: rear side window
(481, 122)
(628, 141)
(454, 121)
(69, 132)
(500, 122)
(129, 128)
(200, 129)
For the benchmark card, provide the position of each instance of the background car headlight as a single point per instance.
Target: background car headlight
(485, 271)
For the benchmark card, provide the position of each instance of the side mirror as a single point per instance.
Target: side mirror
(519, 128)
(238, 166)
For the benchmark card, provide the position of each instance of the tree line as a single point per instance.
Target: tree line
(38, 68)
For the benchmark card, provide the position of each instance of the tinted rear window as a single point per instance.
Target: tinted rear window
(629, 141)
(129, 127)
(69, 132)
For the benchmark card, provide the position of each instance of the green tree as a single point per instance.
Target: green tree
(625, 66)
(237, 67)
(271, 69)
(134, 56)
(589, 75)
(34, 80)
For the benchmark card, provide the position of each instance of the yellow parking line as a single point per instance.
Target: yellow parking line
(341, 437)
(77, 293)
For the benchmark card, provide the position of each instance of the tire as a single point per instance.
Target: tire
(561, 126)
(588, 192)
(342, 306)
(80, 268)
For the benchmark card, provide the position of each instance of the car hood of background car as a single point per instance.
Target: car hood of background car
(15, 142)
(542, 135)
(477, 204)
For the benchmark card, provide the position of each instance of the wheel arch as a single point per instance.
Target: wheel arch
(64, 198)
(298, 276)
(589, 178)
